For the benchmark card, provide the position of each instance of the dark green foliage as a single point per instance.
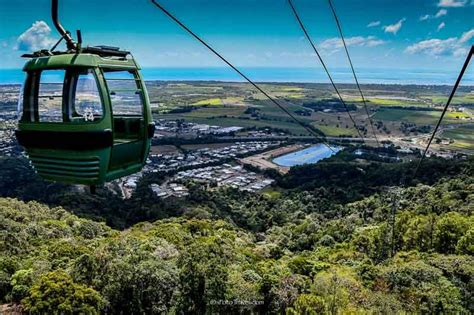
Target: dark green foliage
(346, 182)
(330, 104)
(203, 275)
(144, 287)
(56, 293)
(425, 288)
(448, 231)
(314, 248)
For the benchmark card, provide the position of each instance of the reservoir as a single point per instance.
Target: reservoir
(309, 155)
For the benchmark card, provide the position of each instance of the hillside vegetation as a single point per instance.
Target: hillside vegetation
(297, 252)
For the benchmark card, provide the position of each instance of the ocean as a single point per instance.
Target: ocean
(303, 75)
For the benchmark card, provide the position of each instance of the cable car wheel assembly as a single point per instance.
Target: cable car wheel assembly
(85, 114)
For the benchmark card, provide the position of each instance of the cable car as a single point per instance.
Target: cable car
(85, 115)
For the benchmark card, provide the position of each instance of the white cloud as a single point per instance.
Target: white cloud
(394, 28)
(466, 36)
(333, 45)
(435, 47)
(425, 17)
(441, 13)
(441, 26)
(373, 24)
(460, 52)
(35, 38)
(452, 3)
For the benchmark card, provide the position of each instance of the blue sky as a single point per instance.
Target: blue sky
(407, 34)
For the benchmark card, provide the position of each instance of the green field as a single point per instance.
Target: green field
(292, 89)
(418, 117)
(463, 137)
(233, 100)
(394, 102)
(209, 112)
(442, 99)
(333, 131)
(296, 95)
(461, 133)
(238, 104)
(217, 101)
(380, 101)
(210, 101)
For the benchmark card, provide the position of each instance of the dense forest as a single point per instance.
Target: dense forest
(335, 237)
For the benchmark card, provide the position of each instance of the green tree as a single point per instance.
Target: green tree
(21, 282)
(419, 233)
(307, 304)
(8, 266)
(301, 265)
(334, 289)
(422, 288)
(56, 293)
(448, 231)
(140, 287)
(204, 274)
(466, 243)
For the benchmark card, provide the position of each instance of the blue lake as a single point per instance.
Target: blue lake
(309, 155)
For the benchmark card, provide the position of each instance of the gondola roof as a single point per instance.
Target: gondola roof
(89, 57)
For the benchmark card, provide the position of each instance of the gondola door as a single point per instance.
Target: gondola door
(127, 104)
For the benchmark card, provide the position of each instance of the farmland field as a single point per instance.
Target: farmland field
(418, 117)
(442, 99)
(238, 104)
(333, 131)
(395, 102)
(211, 101)
(463, 137)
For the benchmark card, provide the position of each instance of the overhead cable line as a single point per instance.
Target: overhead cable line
(303, 28)
(453, 92)
(396, 192)
(353, 71)
(273, 100)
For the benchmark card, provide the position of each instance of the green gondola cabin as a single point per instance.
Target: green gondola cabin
(85, 116)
